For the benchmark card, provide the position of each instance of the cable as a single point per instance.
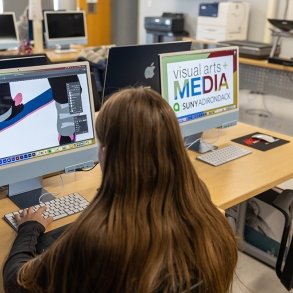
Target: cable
(203, 140)
(266, 113)
(192, 143)
(289, 75)
(89, 169)
(4, 187)
(286, 9)
(52, 193)
(206, 136)
(45, 193)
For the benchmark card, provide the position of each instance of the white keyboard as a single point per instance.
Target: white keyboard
(57, 208)
(223, 155)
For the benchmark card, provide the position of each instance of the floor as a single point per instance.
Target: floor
(253, 276)
(275, 113)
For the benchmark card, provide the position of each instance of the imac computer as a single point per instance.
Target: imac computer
(137, 65)
(46, 126)
(8, 32)
(202, 88)
(65, 28)
(14, 61)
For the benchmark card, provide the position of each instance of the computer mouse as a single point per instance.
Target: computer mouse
(264, 137)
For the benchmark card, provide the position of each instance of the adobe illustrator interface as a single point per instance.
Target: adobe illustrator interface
(44, 112)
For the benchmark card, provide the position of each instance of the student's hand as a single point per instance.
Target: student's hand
(30, 215)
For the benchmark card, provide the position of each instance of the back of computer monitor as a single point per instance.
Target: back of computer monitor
(137, 65)
(15, 61)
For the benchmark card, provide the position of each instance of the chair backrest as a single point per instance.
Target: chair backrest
(286, 275)
(284, 265)
(97, 76)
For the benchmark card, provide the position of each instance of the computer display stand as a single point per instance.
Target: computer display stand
(197, 144)
(29, 193)
(64, 49)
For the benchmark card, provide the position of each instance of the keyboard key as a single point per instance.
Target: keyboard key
(57, 208)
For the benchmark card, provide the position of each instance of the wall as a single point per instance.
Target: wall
(258, 26)
(287, 44)
(157, 7)
(18, 6)
(98, 22)
(290, 10)
(67, 4)
(124, 29)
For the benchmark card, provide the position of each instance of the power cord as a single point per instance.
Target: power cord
(88, 169)
(52, 193)
(266, 113)
(192, 143)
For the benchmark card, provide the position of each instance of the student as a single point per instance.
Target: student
(151, 227)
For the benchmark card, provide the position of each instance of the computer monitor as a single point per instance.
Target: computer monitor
(65, 28)
(202, 88)
(46, 126)
(137, 65)
(14, 61)
(8, 31)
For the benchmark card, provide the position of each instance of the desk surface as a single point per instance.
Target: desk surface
(229, 184)
(62, 57)
(249, 61)
(265, 64)
(53, 56)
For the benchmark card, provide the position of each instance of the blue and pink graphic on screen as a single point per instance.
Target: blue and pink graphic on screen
(12, 110)
(38, 114)
(203, 84)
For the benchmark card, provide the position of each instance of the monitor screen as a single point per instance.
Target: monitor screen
(137, 65)
(202, 88)
(46, 122)
(8, 31)
(64, 28)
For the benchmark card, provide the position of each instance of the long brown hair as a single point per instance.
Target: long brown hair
(152, 226)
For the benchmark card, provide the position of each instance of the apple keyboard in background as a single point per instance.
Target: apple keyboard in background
(57, 208)
(224, 155)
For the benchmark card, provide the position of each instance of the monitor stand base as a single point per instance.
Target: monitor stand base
(28, 193)
(31, 198)
(195, 143)
(64, 49)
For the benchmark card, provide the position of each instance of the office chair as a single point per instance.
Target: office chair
(284, 265)
(282, 259)
(97, 78)
(284, 203)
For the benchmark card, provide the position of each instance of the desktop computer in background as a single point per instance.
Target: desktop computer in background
(65, 28)
(8, 32)
(137, 65)
(46, 125)
(15, 61)
(202, 87)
